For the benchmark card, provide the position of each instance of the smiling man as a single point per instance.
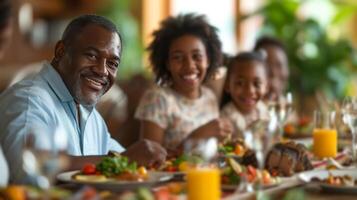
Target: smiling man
(62, 98)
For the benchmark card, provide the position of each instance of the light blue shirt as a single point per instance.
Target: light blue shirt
(42, 105)
(4, 170)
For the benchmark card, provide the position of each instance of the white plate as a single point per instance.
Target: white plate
(323, 174)
(234, 187)
(153, 179)
(265, 186)
(163, 173)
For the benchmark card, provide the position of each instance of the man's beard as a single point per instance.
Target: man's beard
(81, 99)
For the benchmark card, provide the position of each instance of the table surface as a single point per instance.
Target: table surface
(311, 192)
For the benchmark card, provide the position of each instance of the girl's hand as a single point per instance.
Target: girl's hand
(219, 128)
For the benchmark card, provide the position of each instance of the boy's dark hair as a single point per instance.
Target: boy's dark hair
(269, 41)
(240, 58)
(5, 12)
(175, 27)
(76, 25)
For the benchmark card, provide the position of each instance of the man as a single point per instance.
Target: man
(277, 65)
(62, 97)
(5, 34)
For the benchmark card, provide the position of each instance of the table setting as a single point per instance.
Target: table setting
(264, 163)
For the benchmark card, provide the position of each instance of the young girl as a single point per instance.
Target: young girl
(184, 51)
(246, 85)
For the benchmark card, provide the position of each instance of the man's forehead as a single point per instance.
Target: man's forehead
(97, 35)
(97, 31)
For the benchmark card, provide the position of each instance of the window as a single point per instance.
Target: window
(222, 18)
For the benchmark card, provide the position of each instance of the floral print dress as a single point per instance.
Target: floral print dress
(176, 114)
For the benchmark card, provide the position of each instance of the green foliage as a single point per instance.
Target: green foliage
(119, 13)
(318, 62)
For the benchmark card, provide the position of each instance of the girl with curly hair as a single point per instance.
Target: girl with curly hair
(184, 51)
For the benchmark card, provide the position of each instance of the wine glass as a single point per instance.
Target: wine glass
(280, 110)
(260, 139)
(349, 117)
(42, 156)
(206, 149)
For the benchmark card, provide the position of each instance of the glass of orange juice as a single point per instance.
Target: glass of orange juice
(324, 134)
(203, 183)
(203, 178)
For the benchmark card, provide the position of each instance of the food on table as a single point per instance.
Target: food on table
(13, 192)
(345, 180)
(233, 172)
(139, 194)
(90, 178)
(237, 149)
(169, 191)
(112, 168)
(249, 158)
(26, 192)
(301, 128)
(285, 159)
(232, 147)
(180, 164)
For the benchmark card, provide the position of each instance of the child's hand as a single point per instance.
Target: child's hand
(219, 128)
(225, 128)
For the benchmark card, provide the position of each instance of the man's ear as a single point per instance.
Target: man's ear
(59, 50)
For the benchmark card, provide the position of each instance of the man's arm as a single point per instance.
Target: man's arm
(144, 152)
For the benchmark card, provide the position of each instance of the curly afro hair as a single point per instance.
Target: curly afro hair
(175, 27)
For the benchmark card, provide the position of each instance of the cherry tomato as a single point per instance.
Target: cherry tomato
(304, 121)
(289, 129)
(162, 194)
(239, 150)
(142, 171)
(89, 168)
(266, 177)
(171, 169)
(252, 170)
(250, 178)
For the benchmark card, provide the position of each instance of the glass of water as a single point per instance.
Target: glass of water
(43, 156)
(349, 117)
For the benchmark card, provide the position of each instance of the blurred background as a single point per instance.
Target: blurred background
(320, 36)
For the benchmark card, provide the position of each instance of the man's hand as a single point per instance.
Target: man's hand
(146, 152)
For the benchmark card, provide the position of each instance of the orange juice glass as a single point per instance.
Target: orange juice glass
(325, 134)
(203, 183)
(325, 142)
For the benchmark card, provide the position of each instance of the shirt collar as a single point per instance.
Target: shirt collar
(56, 83)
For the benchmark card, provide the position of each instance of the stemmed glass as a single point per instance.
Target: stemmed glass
(281, 109)
(260, 139)
(349, 117)
(42, 157)
(203, 148)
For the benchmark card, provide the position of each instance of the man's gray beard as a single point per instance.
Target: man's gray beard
(79, 97)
